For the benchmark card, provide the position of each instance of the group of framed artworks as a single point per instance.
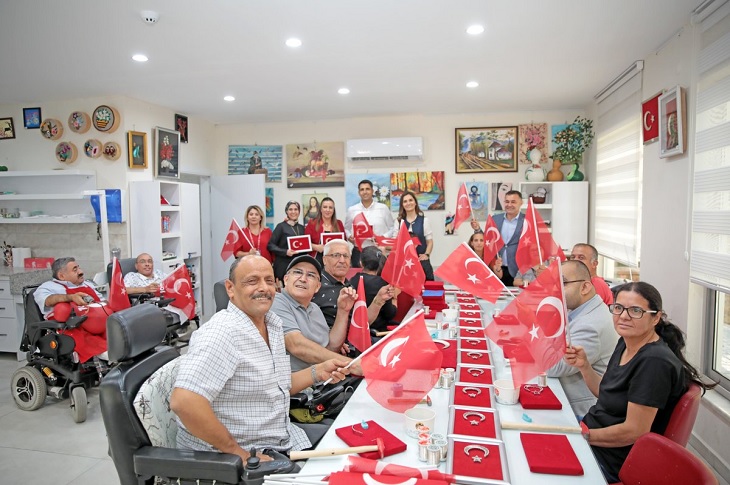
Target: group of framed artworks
(166, 151)
(664, 118)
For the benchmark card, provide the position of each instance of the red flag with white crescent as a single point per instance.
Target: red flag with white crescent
(299, 244)
(177, 285)
(493, 242)
(463, 207)
(232, 241)
(388, 242)
(536, 244)
(349, 478)
(361, 229)
(359, 332)
(467, 271)
(118, 299)
(402, 268)
(358, 464)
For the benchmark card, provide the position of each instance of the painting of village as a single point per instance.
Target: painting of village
(486, 149)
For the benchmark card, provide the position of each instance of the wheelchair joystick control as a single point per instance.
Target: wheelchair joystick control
(253, 461)
(255, 470)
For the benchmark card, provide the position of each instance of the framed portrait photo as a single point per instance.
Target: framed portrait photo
(32, 118)
(167, 153)
(137, 149)
(672, 122)
(483, 150)
(7, 130)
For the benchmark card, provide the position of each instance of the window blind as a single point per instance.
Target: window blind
(618, 170)
(710, 243)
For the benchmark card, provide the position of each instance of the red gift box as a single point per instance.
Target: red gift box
(470, 306)
(470, 314)
(358, 436)
(470, 322)
(433, 285)
(475, 422)
(37, 263)
(475, 464)
(471, 332)
(472, 395)
(536, 397)
(473, 344)
(479, 375)
(550, 453)
(479, 357)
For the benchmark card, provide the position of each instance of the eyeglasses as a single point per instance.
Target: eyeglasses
(571, 281)
(633, 311)
(143, 261)
(338, 255)
(298, 273)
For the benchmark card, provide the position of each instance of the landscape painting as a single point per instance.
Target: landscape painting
(428, 187)
(480, 150)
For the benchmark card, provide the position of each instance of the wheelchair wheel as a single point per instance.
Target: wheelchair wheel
(78, 404)
(29, 388)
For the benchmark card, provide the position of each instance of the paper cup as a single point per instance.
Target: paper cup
(505, 392)
(450, 314)
(416, 417)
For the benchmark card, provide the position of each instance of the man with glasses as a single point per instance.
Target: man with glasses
(307, 337)
(590, 326)
(147, 279)
(588, 255)
(336, 256)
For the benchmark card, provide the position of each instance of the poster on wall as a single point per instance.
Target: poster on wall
(315, 165)
(247, 159)
(269, 202)
(381, 189)
(428, 187)
(479, 199)
(310, 206)
(532, 143)
(449, 224)
(499, 192)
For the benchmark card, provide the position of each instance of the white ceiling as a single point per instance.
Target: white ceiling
(396, 56)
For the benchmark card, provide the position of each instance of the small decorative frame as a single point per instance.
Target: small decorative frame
(7, 130)
(167, 153)
(181, 125)
(672, 122)
(137, 149)
(32, 118)
(650, 119)
(480, 150)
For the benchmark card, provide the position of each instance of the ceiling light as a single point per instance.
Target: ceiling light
(293, 42)
(229, 98)
(343, 91)
(475, 29)
(140, 58)
(472, 84)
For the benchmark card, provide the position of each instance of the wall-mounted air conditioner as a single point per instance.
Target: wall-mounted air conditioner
(406, 148)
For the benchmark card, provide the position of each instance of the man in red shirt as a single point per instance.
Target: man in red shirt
(588, 255)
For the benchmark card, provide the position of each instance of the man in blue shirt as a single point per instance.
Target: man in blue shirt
(509, 224)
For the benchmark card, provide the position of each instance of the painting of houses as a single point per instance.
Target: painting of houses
(486, 149)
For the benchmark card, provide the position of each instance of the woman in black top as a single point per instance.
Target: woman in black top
(645, 377)
(378, 294)
(278, 244)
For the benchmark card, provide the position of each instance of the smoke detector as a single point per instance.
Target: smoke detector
(150, 17)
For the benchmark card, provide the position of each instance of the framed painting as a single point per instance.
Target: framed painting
(167, 153)
(7, 130)
(181, 125)
(532, 137)
(137, 149)
(499, 192)
(310, 206)
(478, 193)
(32, 118)
(650, 119)
(484, 150)
(672, 122)
(269, 202)
(315, 165)
(265, 159)
(381, 189)
(428, 187)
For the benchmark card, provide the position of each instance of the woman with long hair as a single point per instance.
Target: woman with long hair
(326, 221)
(278, 245)
(476, 242)
(645, 377)
(418, 225)
(256, 235)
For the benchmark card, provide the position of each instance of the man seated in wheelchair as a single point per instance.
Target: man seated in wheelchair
(68, 291)
(233, 386)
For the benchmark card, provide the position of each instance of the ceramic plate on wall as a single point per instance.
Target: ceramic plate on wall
(92, 148)
(111, 150)
(105, 119)
(79, 122)
(66, 152)
(51, 129)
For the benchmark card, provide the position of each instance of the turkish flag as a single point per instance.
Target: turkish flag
(464, 269)
(177, 285)
(329, 236)
(358, 464)
(232, 242)
(403, 367)
(463, 207)
(493, 241)
(388, 242)
(118, 299)
(300, 244)
(361, 229)
(359, 332)
(348, 478)
(536, 244)
(402, 268)
(532, 329)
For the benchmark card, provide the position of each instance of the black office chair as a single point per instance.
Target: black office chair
(220, 295)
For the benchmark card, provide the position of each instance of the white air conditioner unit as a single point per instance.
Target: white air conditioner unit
(406, 148)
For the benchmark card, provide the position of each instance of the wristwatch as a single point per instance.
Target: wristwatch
(585, 431)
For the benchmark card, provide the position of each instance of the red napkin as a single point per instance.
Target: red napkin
(550, 453)
(483, 378)
(475, 357)
(392, 444)
(449, 353)
(463, 396)
(470, 322)
(545, 400)
(489, 467)
(473, 344)
(473, 424)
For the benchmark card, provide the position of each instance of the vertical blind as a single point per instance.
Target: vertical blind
(618, 170)
(710, 246)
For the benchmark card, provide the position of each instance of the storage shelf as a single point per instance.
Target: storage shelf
(168, 235)
(77, 219)
(170, 208)
(41, 196)
(54, 173)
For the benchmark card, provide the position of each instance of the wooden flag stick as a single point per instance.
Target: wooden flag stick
(548, 428)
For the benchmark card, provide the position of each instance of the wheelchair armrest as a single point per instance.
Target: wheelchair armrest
(75, 321)
(298, 400)
(190, 465)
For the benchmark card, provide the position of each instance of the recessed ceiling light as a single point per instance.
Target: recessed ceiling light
(293, 42)
(475, 29)
(472, 84)
(228, 98)
(140, 58)
(343, 91)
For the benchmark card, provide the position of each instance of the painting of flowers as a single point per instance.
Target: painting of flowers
(167, 153)
(532, 136)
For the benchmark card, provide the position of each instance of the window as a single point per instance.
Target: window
(718, 368)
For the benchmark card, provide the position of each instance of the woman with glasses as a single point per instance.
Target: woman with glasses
(326, 221)
(278, 245)
(418, 225)
(645, 377)
(256, 235)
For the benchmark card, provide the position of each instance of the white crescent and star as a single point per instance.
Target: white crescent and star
(232, 237)
(558, 305)
(488, 239)
(458, 202)
(360, 228)
(369, 480)
(358, 304)
(392, 347)
(648, 124)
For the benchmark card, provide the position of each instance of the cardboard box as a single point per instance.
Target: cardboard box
(37, 263)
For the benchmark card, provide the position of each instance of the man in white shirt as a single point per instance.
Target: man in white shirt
(147, 279)
(377, 214)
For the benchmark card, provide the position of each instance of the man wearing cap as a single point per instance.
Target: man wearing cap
(308, 338)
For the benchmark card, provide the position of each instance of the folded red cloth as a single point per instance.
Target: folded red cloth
(358, 436)
(550, 453)
(469, 395)
(475, 463)
(475, 357)
(475, 423)
(449, 352)
(536, 397)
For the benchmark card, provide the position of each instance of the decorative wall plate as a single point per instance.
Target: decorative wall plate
(92, 148)
(51, 129)
(111, 150)
(105, 119)
(66, 152)
(79, 122)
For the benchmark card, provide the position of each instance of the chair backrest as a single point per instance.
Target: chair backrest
(127, 265)
(656, 460)
(220, 295)
(153, 406)
(133, 337)
(684, 415)
(31, 310)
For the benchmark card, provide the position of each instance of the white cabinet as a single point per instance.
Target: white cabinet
(47, 196)
(565, 209)
(9, 338)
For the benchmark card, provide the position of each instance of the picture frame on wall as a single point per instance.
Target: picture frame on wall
(181, 125)
(167, 153)
(672, 122)
(650, 119)
(7, 129)
(137, 149)
(32, 118)
(485, 150)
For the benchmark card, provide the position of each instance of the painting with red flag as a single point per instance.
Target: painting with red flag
(403, 367)
(402, 268)
(232, 242)
(467, 271)
(359, 332)
(536, 244)
(463, 207)
(177, 285)
(118, 298)
(361, 229)
(493, 242)
(532, 330)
